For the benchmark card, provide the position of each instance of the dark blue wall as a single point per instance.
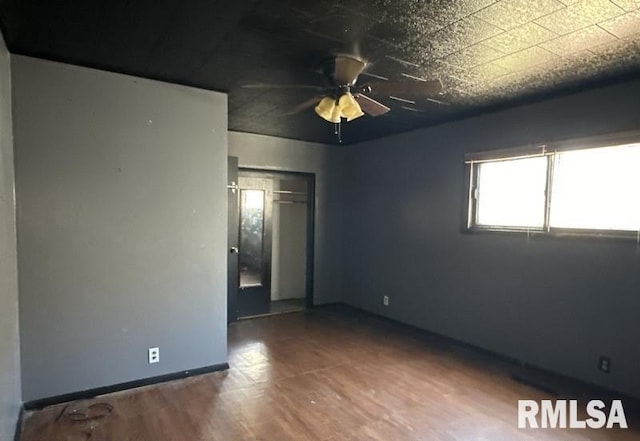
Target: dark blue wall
(557, 303)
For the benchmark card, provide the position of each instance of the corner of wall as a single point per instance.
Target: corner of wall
(10, 379)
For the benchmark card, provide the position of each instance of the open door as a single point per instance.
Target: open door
(270, 241)
(233, 191)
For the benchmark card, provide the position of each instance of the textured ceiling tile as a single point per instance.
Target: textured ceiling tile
(461, 34)
(623, 26)
(628, 5)
(456, 74)
(612, 51)
(455, 10)
(473, 55)
(508, 83)
(572, 66)
(517, 39)
(526, 59)
(285, 42)
(464, 82)
(417, 19)
(477, 77)
(509, 14)
(410, 25)
(583, 57)
(606, 59)
(579, 15)
(634, 37)
(470, 6)
(527, 75)
(488, 72)
(578, 41)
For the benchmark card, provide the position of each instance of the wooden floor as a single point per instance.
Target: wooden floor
(332, 374)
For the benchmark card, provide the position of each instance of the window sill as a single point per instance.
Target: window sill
(557, 233)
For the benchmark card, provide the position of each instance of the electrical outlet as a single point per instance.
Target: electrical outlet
(154, 355)
(385, 300)
(605, 364)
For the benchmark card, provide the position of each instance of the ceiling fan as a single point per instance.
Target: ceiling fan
(344, 99)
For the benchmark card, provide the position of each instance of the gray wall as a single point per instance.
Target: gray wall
(9, 340)
(554, 302)
(326, 162)
(121, 188)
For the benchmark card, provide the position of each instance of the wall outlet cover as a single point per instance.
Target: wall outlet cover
(154, 355)
(605, 364)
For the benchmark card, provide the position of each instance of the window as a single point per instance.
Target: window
(563, 191)
(597, 189)
(511, 193)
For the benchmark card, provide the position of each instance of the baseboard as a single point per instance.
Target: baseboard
(445, 338)
(92, 393)
(18, 432)
(522, 372)
(333, 304)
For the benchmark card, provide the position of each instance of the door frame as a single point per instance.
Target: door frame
(311, 205)
(233, 193)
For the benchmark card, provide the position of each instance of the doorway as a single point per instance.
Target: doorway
(274, 237)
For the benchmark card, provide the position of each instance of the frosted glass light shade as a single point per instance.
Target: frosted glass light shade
(349, 107)
(327, 109)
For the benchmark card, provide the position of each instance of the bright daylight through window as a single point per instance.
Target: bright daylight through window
(511, 193)
(589, 190)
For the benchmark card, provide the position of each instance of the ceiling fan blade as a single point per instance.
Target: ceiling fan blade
(280, 86)
(304, 105)
(370, 106)
(405, 89)
(347, 69)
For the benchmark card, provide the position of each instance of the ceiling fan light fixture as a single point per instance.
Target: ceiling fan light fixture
(333, 110)
(328, 110)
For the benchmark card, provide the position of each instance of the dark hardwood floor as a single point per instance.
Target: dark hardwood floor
(331, 374)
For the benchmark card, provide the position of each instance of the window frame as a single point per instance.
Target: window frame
(548, 150)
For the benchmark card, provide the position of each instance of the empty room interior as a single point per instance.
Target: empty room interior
(336, 220)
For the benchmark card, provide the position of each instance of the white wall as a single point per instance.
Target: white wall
(325, 161)
(558, 303)
(10, 399)
(122, 218)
